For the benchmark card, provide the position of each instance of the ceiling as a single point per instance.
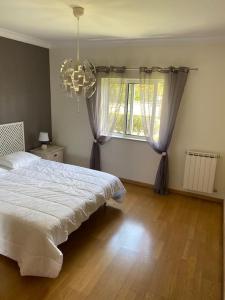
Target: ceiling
(52, 20)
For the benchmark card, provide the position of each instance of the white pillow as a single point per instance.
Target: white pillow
(18, 159)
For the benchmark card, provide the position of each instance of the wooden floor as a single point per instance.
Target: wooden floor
(150, 247)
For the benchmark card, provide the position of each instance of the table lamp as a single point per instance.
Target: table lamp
(44, 139)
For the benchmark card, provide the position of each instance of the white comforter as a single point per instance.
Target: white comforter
(40, 205)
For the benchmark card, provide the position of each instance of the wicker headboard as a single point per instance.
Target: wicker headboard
(11, 138)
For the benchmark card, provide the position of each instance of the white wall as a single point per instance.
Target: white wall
(201, 118)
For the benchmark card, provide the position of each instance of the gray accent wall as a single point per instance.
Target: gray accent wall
(25, 88)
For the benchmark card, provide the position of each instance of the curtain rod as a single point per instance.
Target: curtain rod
(134, 69)
(121, 69)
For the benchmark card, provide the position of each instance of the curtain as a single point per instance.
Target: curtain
(161, 92)
(103, 109)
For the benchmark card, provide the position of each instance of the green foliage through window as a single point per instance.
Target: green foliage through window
(129, 121)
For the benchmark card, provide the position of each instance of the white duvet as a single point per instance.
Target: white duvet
(40, 205)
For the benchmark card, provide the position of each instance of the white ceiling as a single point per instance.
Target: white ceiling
(114, 19)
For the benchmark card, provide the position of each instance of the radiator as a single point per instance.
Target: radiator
(200, 170)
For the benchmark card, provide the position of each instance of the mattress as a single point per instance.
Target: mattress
(41, 204)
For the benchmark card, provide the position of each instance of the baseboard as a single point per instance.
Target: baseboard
(223, 230)
(174, 191)
(203, 197)
(138, 183)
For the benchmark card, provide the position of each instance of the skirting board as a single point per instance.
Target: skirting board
(223, 285)
(174, 191)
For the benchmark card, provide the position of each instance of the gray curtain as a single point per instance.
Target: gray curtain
(159, 130)
(103, 108)
(92, 102)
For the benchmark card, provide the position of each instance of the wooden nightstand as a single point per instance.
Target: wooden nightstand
(53, 152)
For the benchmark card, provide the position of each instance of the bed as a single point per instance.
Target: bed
(42, 202)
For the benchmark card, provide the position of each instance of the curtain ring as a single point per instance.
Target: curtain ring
(164, 153)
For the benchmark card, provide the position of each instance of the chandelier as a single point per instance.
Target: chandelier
(78, 78)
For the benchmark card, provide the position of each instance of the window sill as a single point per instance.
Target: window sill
(131, 138)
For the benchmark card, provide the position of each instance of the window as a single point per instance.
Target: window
(128, 121)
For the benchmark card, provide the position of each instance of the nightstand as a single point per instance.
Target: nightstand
(53, 152)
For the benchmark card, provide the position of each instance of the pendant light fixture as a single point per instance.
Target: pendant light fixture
(78, 78)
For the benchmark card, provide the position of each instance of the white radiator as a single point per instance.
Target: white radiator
(200, 170)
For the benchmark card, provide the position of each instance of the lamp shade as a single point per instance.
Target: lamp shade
(43, 137)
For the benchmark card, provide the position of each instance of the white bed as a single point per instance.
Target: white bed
(41, 204)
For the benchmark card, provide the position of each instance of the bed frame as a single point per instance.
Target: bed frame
(11, 138)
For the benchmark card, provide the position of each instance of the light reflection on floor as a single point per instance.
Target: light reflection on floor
(132, 235)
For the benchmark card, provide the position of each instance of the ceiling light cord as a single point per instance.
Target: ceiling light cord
(78, 39)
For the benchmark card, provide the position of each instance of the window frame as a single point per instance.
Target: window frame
(127, 127)
(126, 135)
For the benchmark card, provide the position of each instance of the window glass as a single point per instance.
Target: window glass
(128, 121)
